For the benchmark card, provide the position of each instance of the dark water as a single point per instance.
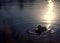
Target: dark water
(29, 15)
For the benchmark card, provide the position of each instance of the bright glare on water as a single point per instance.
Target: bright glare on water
(47, 13)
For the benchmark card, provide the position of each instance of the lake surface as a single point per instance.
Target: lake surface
(45, 13)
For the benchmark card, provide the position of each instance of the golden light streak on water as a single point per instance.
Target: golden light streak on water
(49, 14)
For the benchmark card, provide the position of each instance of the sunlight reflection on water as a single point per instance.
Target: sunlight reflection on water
(49, 16)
